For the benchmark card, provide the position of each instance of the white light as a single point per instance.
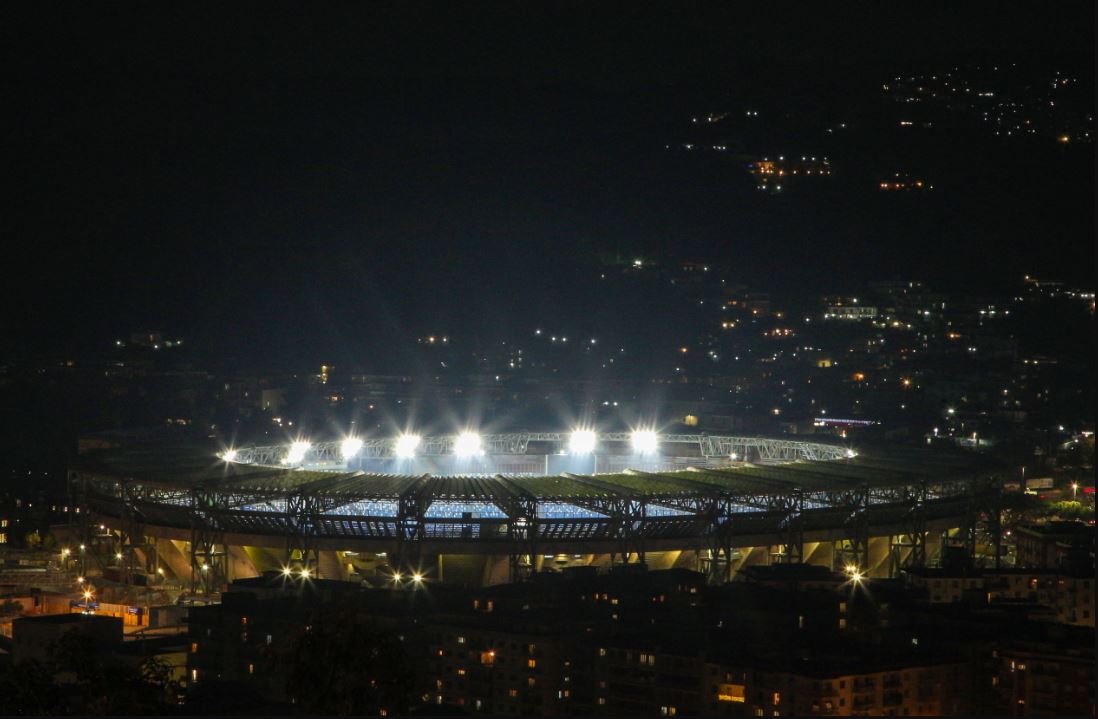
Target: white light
(467, 444)
(350, 447)
(229, 455)
(406, 446)
(851, 454)
(305, 572)
(417, 577)
(297, 452)
(582, 441)
(645, 441)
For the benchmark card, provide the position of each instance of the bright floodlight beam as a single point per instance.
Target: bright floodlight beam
(582, 441)
(645, 441)
(406, 445)
(297, 452)
(350, 447)
(467, 444)
(229, 455)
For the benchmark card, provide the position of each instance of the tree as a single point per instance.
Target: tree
(28, 689)
(340, 663)
(102, 684)
(9, 607)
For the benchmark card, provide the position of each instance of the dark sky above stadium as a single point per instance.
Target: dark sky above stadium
(265, 180)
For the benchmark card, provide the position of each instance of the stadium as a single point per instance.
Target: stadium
(483, 509)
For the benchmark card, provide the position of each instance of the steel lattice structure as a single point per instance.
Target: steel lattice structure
(790, 488)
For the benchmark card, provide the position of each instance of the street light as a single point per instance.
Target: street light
(1074, 491)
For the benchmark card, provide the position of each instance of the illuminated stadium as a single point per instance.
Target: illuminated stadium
(491, 508)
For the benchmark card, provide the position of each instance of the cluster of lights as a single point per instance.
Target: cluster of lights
(468, 444)
(304, 572)
(297, 452)
(416, 578)
(582, 441)
(406, 444)
(855, 574)
(350, 447)
(645, 441)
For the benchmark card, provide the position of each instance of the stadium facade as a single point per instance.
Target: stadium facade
(492, 508)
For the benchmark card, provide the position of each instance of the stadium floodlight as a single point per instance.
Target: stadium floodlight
(417, 578)
(467, 444)
(406, 446)
(297, 452)
(645, 441)
(582, 441)
(350, 447)
(851, 454)
(229, 455)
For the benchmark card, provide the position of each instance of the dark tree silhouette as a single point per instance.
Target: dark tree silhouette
(341, 663)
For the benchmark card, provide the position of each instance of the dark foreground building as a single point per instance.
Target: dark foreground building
(659, 643)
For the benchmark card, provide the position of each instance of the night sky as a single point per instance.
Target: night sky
(288, 187)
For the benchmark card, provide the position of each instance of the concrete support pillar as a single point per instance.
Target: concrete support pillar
(879, 548)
